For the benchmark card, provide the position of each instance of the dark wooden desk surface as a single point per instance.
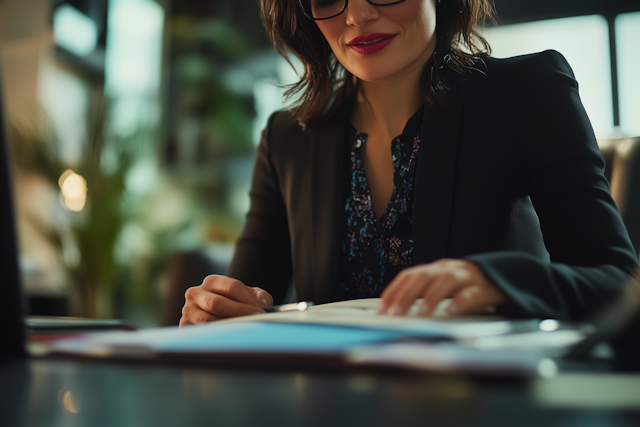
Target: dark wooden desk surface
(48, 392)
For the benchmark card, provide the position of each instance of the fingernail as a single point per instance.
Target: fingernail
(423, 310)
(452, 309)
(394, 311)
(382, 308)
(265, 303)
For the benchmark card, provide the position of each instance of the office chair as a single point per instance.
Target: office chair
(622, 158)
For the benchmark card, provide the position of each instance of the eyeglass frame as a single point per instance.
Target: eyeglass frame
(346, 3)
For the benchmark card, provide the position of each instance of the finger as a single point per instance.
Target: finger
(263, 296)
(394, 284)
(231, 288)
(412, 287)
(217, 304)
(445, 285)
(224, 307)
(389, 294)
(194, 316)
(409, 285)
(474, 297)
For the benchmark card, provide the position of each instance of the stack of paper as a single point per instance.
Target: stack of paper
(347, 333)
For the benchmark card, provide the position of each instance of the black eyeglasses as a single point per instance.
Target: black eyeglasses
(327, 9)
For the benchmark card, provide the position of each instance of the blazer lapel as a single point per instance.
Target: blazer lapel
(326, 196)
(435, 175)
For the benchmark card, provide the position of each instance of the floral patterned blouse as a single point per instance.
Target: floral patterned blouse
(375, 250)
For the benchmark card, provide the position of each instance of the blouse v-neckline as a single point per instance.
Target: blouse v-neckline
(375, 250)
(357, 140)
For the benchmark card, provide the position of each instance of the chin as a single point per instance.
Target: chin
(375, 73)
(380, 67)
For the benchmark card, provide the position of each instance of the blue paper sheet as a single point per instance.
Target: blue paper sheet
(278, 337)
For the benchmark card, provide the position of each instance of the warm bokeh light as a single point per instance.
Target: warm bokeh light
(73, 190)
(74, 186)
(64, 176)
(68, 402)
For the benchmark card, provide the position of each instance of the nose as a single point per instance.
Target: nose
(360, 12)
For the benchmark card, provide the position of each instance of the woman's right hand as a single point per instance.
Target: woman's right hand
(220, 297)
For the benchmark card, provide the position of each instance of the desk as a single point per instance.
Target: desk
(117, 394)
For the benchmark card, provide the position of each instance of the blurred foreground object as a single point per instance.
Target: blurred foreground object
(627, 342)
(619, 325)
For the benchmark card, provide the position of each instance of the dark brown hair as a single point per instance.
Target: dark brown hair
(326, 86)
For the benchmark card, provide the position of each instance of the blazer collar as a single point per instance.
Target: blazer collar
(327, 141)
(434, 180)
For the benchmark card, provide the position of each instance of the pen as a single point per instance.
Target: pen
(295, 306)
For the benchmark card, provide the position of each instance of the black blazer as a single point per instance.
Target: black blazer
(509, 176)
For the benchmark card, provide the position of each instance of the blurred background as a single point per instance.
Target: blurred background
(133, 125)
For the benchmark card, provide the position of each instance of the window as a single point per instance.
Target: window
(628, 55)
(584, 42)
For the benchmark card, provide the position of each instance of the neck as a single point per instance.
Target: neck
(384, 107)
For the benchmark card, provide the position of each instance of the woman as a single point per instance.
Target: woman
(417, 166)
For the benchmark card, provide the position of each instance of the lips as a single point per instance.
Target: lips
(372, 43)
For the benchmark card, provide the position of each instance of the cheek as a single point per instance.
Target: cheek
(331, 31)
(417, 17)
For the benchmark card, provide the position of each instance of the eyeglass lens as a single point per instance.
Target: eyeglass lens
(324, 9)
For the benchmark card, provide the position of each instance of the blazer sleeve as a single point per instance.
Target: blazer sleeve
(590, 250)
(262, 256)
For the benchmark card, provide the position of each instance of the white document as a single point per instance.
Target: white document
(363, 313)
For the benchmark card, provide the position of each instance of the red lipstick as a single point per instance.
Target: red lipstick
(372, 43)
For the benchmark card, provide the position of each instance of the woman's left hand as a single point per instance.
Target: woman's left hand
(447, 278)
